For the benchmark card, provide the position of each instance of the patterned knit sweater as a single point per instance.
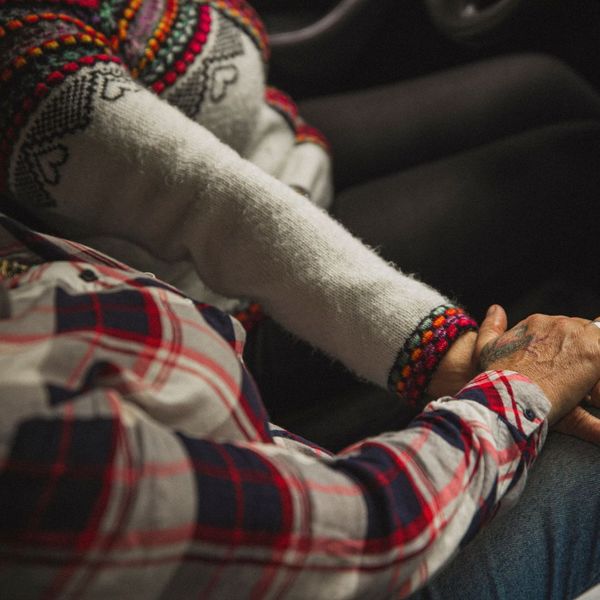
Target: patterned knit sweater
(145, 128)
(207, 59)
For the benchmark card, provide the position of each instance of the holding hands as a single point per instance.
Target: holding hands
(560, 354)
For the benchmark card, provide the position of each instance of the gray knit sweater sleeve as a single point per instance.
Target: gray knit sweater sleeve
(168, 152)
(142, 171)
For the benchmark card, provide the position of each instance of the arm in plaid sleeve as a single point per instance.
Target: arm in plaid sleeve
(94, 155)
(136, 459)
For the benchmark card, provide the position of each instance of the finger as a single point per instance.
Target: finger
(493, 326)
(581, 424)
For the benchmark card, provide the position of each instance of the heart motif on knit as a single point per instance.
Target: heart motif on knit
(114, 88)
(49, 163)
(221, 78)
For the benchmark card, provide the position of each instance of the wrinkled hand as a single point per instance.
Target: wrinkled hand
(463, 362)
(560, 354)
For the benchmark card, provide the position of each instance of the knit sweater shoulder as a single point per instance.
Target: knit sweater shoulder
(145, 128)
(208, 59)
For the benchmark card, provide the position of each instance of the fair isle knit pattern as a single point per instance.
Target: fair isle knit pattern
(39, 51)
(243, 14)
(206, 58)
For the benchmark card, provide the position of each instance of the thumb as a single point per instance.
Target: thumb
(493, 326)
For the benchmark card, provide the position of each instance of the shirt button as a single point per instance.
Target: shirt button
(529, 414)
(88, 275)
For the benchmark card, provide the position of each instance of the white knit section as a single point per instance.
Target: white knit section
(144, 172)
(308, 167)
(273, 148)
(271, 142)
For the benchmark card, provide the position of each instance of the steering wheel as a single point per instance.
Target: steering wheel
(468, 20)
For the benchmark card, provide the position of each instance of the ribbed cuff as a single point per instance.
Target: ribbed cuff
(424, 349)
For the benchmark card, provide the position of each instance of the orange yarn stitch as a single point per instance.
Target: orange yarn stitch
(158, 36)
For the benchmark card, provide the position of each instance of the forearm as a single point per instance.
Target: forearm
(142, 171)
(136, 451)
(206, 518)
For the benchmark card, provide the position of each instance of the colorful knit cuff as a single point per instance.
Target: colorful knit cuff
(424, 350)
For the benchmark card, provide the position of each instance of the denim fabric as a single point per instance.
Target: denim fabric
(545, 548)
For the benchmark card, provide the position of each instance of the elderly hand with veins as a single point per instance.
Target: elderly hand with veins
(560, 354)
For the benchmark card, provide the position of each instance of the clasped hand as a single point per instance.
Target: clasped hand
(560, 354)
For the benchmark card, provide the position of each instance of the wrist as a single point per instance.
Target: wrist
(456, 368)
(425, 349)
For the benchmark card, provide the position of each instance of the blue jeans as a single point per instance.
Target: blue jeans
(547, 546)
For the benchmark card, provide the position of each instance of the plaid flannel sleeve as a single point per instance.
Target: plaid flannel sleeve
(137, 461)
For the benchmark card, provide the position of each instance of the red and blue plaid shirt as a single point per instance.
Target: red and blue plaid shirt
(137, 460)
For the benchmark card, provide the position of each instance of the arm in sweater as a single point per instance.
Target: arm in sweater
(90, 152)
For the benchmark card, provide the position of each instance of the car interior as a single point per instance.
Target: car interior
(326, 46)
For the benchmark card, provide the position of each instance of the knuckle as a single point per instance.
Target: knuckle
(564, 325)
(536, 320)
